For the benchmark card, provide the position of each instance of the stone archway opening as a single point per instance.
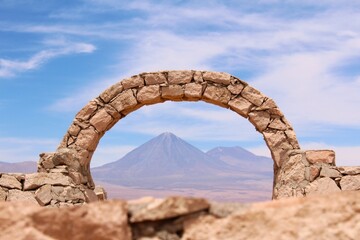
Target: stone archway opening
(229, 178)
(128, 95)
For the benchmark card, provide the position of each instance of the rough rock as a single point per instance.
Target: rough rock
(290, 219)
(321, 186)
(149, 94)
(135, 81)
(329, 172)
(349, 170)
(260, 119)
(224, 209)
(193, 91)
(235, 89)
(107, 220)
(217, 77)
(111, 92)
(154, 78)
(88, 139)
(278, 124)
(320, 156)
(241, 106)
(253, 95)
(16, 195)
(87, 111)
(124, 101)
(36, 180)
(172, 92)
(217, 95)
(150, 209)
(43, 195)
(101, 120)
(350, 183)
(9, 181)
(3, 194)
(180, 77)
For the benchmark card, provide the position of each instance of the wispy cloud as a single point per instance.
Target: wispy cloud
(25, 149)
(191, 121)
(9, 68)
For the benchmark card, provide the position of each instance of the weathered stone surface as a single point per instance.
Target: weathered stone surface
(105, 220)
(67, 157)
(111, 92)
(217, 95)
(260, 119)
(241, 106)
(16, 195)
(101, 120)
(90, 196)
(217, 77)
(88, 139)
(150, 209)
(180, 77)
(124, 101)
(149, 94)
(3, 194)
(350, 183)
(134, 81)
(278, 124)
(154, 78)
(224, 209)
(74, 130)
(172, 92)
(314, 172)
(291, 137)
(329, 172)
(43, 195)
(349, 170)
(198, 77)
(293, 171)
(235, 89)
(253, 95)
(321, 186)
(36, 180)
(100, 193)
(193, 91)
(321, 156)
(9, 181)
(87, 111)
(290, 219)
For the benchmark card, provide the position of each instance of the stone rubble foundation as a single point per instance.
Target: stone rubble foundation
(334, 216)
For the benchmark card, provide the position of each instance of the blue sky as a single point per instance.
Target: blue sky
(55, 56)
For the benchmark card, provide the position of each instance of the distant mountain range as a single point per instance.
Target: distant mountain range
(20, 167)
(169, 161)
(168, 165)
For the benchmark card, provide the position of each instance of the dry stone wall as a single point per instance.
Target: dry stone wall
(64, 176)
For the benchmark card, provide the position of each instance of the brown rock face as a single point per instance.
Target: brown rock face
(321, 156)
(156, 209)
(9, 181)
(350, 183)
(301, 218)
(107, 220)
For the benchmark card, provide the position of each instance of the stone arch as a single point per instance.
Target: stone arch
(219, 88)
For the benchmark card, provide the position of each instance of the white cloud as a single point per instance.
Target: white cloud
(191, 121)
(9, 68)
